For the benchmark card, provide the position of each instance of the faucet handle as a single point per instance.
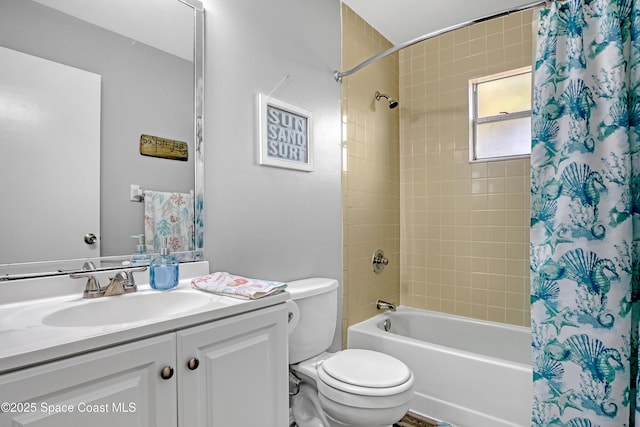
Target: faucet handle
(131, 282)
(92, 289)
(378, 261)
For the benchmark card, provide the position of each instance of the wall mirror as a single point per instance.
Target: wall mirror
(133, 67)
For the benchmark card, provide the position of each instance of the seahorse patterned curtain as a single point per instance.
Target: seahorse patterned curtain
(585, 209)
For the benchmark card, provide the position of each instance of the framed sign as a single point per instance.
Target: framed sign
(285, 135)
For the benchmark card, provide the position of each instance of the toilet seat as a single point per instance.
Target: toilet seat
(391, 384)
(365, 373)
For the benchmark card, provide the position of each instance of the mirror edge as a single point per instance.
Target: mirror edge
(15, 271)
(198, 111)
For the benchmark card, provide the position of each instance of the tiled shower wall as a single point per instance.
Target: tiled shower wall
(371, 172)
(464, 226)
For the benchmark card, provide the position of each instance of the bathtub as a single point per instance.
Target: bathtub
(470, 373)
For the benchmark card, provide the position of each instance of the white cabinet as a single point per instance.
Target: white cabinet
(240, 378)
(119, 386)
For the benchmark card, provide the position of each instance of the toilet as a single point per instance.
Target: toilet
(353, 387)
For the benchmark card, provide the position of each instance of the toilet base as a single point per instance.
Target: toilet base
(360, 417)
(336, 423)
(306, 408)
(312, 409)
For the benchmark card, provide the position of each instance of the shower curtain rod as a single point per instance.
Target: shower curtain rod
(338, 75)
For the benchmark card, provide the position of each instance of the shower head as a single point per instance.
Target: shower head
(392, 102)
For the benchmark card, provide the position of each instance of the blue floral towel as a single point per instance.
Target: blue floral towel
(222, 283)
(170, 215)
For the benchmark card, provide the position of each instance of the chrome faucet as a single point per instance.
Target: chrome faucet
(122, 283)
(383, 305)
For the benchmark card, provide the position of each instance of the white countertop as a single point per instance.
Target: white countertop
(26, 340)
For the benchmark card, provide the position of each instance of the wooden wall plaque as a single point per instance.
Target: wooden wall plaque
(162, 147)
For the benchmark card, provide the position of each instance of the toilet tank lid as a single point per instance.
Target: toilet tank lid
(305, 288)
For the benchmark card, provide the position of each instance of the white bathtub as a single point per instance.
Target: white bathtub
(470, 373)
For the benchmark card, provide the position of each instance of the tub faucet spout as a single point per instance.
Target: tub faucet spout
(383, 305)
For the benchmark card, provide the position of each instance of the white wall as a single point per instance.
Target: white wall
(262, 221)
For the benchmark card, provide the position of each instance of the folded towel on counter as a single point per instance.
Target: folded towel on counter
(222, 283)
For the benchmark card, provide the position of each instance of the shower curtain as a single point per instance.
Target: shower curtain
(585, 210)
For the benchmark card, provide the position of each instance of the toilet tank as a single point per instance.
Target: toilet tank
(314, 315)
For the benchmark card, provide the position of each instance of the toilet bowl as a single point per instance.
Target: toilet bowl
(350, 388)
(358, 387)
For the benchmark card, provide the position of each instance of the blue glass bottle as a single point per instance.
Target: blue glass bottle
(163, 270)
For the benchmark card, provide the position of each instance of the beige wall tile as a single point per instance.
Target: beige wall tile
(456, 233)
(371, 180)
(484, 207)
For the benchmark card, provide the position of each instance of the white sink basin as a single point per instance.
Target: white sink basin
(133, 307)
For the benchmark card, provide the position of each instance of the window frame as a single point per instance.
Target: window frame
(474, 120)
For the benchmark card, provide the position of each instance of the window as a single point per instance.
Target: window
(500, 115)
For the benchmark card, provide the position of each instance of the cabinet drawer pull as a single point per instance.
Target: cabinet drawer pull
(166, 372)
(193, 363)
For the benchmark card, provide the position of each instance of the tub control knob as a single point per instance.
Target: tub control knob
(378, 261)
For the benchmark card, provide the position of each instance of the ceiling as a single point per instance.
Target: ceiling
(398, 20)
(153, 22)
(403, 20)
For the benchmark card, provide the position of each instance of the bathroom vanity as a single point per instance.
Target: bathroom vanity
(188, 359)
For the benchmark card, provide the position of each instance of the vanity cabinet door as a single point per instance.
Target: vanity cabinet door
(234, 371)
(119, 386)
